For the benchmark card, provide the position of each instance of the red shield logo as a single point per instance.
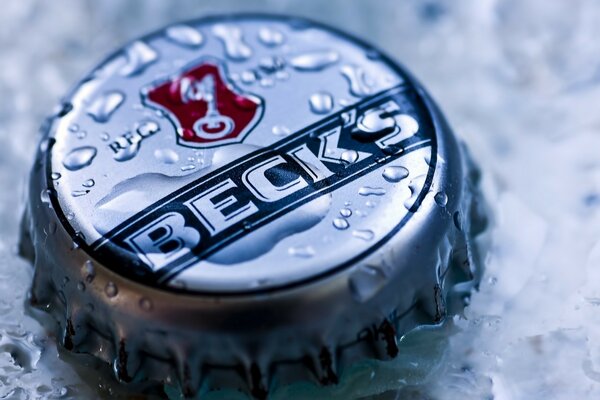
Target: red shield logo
(205, 107)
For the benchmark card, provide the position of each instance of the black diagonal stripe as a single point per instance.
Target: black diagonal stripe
(409, 103)
(334, 118)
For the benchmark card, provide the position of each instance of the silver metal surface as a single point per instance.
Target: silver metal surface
(316, 61)
(326, 213)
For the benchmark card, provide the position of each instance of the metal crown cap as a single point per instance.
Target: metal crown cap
(255, 192)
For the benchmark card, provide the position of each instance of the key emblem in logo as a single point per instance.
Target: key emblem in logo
(206, 109)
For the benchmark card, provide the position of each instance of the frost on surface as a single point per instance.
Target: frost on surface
(519, 82)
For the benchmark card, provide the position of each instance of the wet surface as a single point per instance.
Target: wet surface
(518, 81)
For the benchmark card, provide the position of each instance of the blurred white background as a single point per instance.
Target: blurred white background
(519, 81)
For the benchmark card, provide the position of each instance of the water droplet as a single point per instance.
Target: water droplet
(357, 79)
(184, 35)
(89, 183)
(366, 281)
(111, 289)
(371, 203)
(80, 286)
(138, 57)
(248, 77)
(70, 216)
(166, 156)
(128, 152)
(145, 304)
(79, 158)
(79, 193)
(374, 124)
(267, 82)
(188, 167)
(270, 37)
(44, 145)
(346, 212)
(321, 103)
(104, 136)
(103, 107)
(314, 61)
(394, 173)
(55, 176)
(415, 186)
(340, 223)
(349, 156)
(78, 239)
(371, 191)
(147, 128)
(302, 252)
(281, 130)
(364, 234)
(45, 197)
(391, 149)
(89, 271)
(441, 199)
(271, 65)
(457, 221)
(282, 75)
(81, 134)
(233, 40)
(130, 144)
(64, 109)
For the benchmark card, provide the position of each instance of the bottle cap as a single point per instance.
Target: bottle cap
(239, 196)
